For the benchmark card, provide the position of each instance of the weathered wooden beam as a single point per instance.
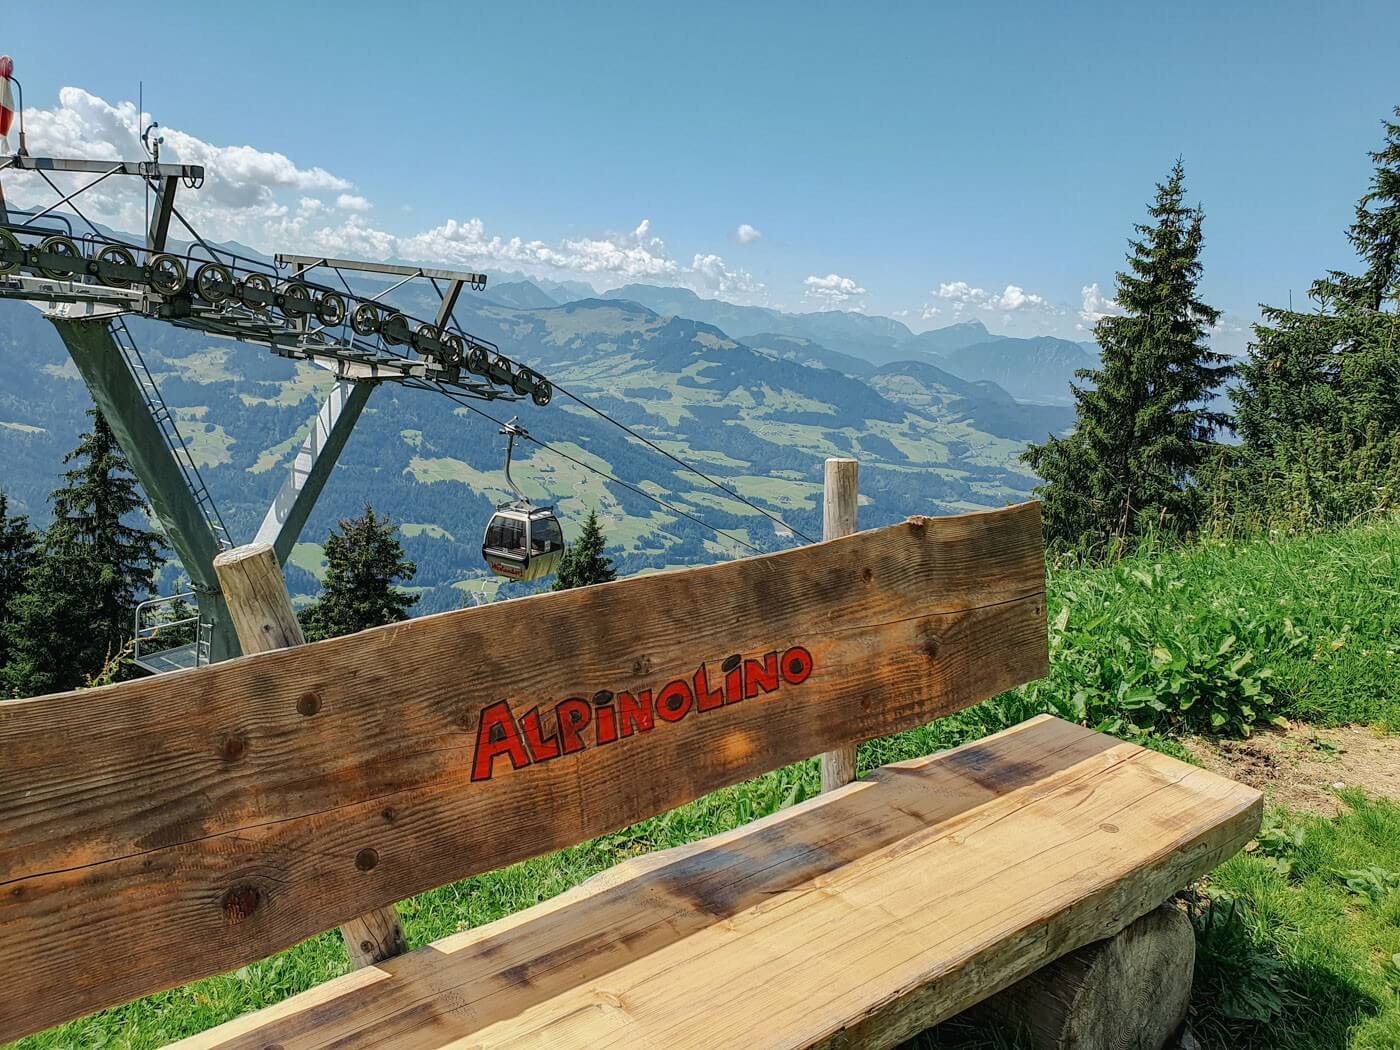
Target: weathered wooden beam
(262, 614)
(1126, 992)
(170, 828)
(839, 503)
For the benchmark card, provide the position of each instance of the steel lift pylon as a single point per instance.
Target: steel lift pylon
(87, 285)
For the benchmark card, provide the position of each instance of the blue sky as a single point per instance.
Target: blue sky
(973, 160)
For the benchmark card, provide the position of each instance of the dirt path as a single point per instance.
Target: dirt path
(1303, 767)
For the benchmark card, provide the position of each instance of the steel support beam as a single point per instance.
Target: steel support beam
(118, 396)
(449, 303)
(160, 214)
(312, 466)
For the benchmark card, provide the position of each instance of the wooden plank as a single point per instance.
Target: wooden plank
(175, 827)
(264, 620)
(840, 500)
(854, 920)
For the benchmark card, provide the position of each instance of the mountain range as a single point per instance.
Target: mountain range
(754, 398)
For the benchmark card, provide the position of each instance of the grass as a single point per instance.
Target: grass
(1298, 938)
(1299, 941)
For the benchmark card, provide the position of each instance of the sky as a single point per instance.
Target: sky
(931, 162)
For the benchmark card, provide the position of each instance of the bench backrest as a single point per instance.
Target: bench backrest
(161, 830)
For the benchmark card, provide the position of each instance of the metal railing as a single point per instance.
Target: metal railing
(150, 624)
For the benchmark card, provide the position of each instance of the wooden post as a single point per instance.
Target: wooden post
(262, 614)
(839, 501)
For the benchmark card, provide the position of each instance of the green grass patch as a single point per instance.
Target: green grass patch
(1303, 628)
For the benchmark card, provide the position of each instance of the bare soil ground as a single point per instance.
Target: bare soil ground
(1303, 767)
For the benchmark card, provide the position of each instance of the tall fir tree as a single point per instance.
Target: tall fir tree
(54, 641)
(17, 550)
(1143, 428)
(584, 562)
(94, 565)
(364, 560)
(1318, 407)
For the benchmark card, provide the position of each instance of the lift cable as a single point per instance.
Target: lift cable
(464, 402)
(676, 459)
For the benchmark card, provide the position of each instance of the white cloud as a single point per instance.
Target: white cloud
(1094, 306)
(747, 234)
(833, 290)
(268, 201)
(964, 296)
(244, 195)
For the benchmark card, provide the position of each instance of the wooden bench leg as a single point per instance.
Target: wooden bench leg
(1129, 992)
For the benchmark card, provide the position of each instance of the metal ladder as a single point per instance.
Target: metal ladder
(165, 419)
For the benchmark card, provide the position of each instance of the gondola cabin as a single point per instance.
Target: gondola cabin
(523, 542)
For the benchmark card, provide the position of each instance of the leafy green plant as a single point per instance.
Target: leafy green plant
(1373, 883)
(1278, 838)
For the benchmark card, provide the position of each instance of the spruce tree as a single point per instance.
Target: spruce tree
(363, 562)
(1142, 427)
(54, 643)
(17, 546)
(1318, 407)
(82, 587)
(99, 503)
(584, 562)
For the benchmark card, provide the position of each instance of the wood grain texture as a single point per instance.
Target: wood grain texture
(170, 828)
(840, 502)
(264, 620)
(856, 919)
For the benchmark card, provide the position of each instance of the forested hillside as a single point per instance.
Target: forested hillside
(761, 419)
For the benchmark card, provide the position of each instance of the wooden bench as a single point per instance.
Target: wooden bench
(158, 831)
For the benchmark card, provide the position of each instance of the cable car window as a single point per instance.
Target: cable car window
(545, 535)
(506, 534)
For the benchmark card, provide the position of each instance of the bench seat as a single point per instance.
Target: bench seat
(857, 918)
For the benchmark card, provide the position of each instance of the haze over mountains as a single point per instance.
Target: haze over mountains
(754, 397)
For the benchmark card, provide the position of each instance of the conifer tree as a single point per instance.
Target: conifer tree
(99, 503)
(1142, 426)
(1318, 407)
(17, 546)
(53, 642)
(584, 562)
(363, 562)
(94, 565)
(1333, 368)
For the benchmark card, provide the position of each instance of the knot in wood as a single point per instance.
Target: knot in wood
(241, 902)
(232, 747)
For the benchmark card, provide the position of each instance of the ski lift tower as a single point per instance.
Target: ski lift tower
(300, 307)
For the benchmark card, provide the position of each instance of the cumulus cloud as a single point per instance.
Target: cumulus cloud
(964, 296)
(747, 234)
(833, 290)
(242, 190)
(267, 200)
(1094, 306)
